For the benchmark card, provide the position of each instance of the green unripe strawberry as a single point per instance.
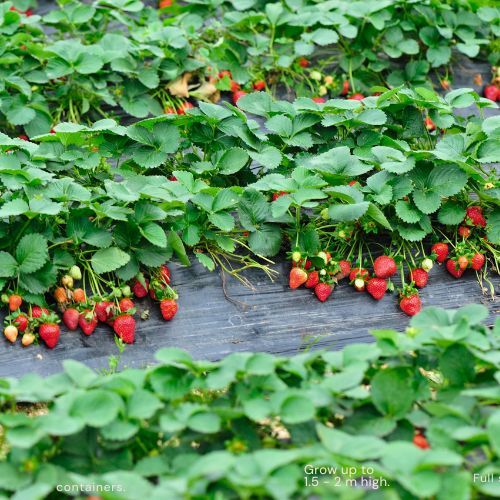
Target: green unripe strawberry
(324, 214)
(76, 273)
(315, 75)
(296, 256)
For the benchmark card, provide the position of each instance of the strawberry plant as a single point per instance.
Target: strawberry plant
(118, 202)
(76, 64)
(93, 205)
(414, 414)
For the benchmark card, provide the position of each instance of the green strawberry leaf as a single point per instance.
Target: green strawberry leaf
(31, 253)
(109, 259)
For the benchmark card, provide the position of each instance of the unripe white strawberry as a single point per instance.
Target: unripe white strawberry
(315, 75)
(322, 255)
(427, 264)
(67, 281)
(359, 284)
(296, 256)
(10, 333)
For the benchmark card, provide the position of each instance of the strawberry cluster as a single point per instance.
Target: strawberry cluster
(322, 272)
(79, 311)
(462, 257)
(465, 254)
(179, 108)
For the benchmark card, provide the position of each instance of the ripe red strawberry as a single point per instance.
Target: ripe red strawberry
(259, 85)
(139, 290)
(168, 309)
(410, 304)
(237, 95)
(464, 231)
(419, 277)
(38, 311)
(312, 279)
(475, 216)
(15, 302)
(303, 62)
(21, 322)
(235, 86)
(421, 441)
(323, 291)
(492, 92)
(70, 318)
(345, 87)
(124, 327)
(429, 124)
(225, 72)
(79, 295)
(88, 321)
(345, 269)
(356, 97)
(376, 287)
(297, 277)
(104, 310)
(49, 333)
(165, 273)
(441, 251)
(278, 194)
(477, 261)
(358, 272)
(126, 304)
(165, 3)
(454, 269)
(384, 267)
(186, 105)
(319, 100)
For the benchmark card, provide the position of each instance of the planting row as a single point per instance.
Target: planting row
(415, 415)
(85, 61)
(345, 179)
